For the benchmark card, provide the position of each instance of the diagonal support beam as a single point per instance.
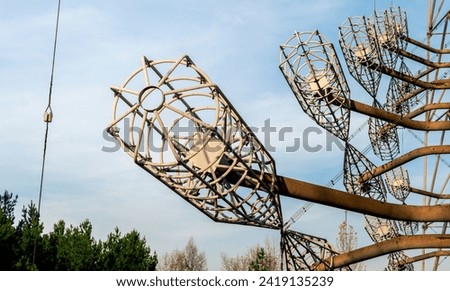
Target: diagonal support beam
(434, 85)
(429, 255)
(414, 154)
(429, 194)
(352, 202)
(423, 61)
(398, 119)
(427, 47)
(385, 247)
(297, 189)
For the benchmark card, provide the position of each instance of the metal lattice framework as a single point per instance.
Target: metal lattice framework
(390, 27)
(398, 262)
(397, 181)
(372, 47)
(312, 70)
(304, 252)
(356, 164)
(408, 227)
(178, 125)
(384, 139)
(380, 229)
(401, 95)
(359, 46)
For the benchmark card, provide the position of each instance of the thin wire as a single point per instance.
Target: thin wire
(49, 104)
(43, 167)
(54, 53)
(47, 118)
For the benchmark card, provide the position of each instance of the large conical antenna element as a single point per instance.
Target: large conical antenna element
(310, 66)
(178, 125)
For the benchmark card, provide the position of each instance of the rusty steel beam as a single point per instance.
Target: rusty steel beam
(417, 91)
(429, 194)
(409, 95)
(426, 256)
(336, 198)
(297, 189)
(427, 47)
(428, 107)
(436, 65)
(414, 154)
(417, 112)
(398, 119)
(384, 248)
(434, 85)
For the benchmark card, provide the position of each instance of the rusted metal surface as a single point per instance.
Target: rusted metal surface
(403, 159)
(343, 200)
(397, 119)
(385, 247)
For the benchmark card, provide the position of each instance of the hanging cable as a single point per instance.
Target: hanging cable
(48, 117)
(48, 114)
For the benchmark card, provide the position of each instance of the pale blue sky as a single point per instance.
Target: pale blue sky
(100, 43)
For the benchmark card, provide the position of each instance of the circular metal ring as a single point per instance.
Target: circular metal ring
(149, 106)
